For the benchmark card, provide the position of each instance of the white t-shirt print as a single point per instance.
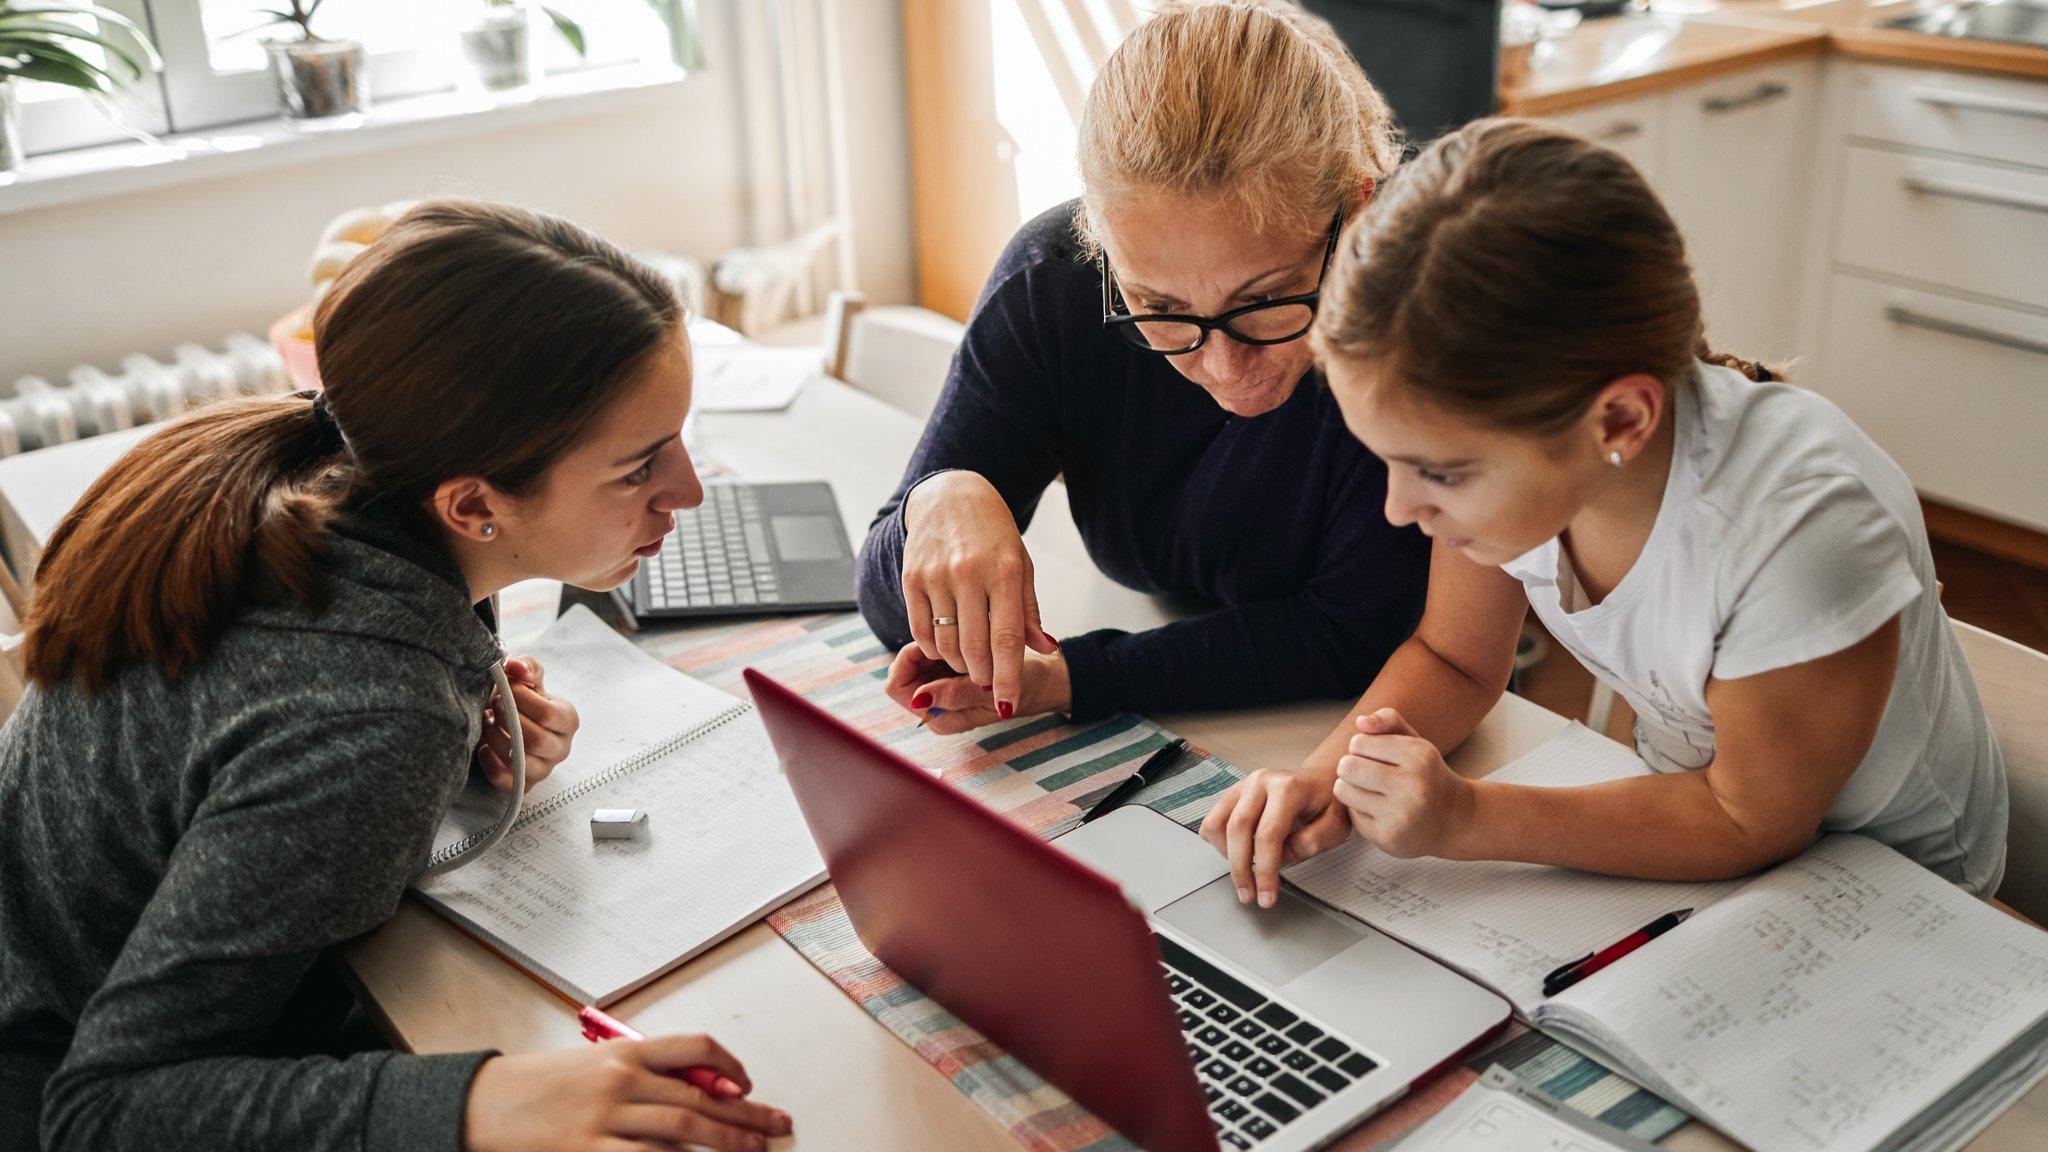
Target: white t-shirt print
(1786, 535)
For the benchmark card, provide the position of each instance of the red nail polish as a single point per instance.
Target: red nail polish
(1050, 640)
(1005, 709)
(921, 700)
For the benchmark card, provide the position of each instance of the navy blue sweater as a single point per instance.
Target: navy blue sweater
(1274, 522)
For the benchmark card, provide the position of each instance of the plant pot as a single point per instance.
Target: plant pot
(321, 84)
(497, 53)
(10, 127)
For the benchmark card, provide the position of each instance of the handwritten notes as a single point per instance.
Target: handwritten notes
(1827, 1004)
(1504, 924)
(725, 841)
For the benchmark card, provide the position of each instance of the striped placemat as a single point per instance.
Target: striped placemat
(1038, 771)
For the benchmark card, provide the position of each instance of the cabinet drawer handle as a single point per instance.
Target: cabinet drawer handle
(1957, 190)
(1764, 93)
(1980, 102)
(1900, 314)
(1622, 130)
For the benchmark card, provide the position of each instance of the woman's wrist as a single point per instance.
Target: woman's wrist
(938, 484)
(1319, 774)
(1053, 690)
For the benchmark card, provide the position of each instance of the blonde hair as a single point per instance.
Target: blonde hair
(1509, 273)
(1256, 99)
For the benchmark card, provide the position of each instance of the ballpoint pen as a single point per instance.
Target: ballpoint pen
(1566, 975)
(599, 1026)
(1152, 769)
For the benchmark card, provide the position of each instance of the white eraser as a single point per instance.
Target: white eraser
(617, 824)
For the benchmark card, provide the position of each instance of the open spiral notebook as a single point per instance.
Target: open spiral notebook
(1847, 999)
(725, 843)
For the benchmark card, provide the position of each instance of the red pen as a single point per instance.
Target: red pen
(599, 1026)
(1569, 974)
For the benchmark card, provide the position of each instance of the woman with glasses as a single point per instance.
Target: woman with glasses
(1145, 343)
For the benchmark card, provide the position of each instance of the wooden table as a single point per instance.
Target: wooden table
(850, 1084)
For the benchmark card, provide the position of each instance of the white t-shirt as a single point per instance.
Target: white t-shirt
(1786, 535)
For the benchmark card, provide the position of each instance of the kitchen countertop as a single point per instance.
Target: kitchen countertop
(1681, 43)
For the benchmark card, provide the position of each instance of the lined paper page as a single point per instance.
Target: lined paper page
(1825, 1004)
(724, 840)
(1506, 925)
(597, 918)
(626, 700)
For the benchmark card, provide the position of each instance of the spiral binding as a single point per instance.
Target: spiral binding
(484, 839)
(632, 764)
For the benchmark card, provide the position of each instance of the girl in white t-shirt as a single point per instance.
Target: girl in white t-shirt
(1513, 327)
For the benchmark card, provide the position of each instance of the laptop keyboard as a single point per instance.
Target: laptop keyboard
(718, 556)
(1260, 1064)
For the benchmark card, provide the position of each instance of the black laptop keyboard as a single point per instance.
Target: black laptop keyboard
(718, 556)
(1260, 1064)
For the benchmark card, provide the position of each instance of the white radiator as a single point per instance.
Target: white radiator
(92, 401)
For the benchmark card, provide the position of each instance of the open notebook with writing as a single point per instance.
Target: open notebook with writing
(596, 919)
(1846, 999)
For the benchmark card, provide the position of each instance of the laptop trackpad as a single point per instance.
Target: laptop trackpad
(802, 538)
(1276, 944)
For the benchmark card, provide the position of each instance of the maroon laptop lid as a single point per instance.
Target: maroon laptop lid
(1030, 947)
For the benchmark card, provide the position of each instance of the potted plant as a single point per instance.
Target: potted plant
(497, 50)
(322, 84)
(78, 45)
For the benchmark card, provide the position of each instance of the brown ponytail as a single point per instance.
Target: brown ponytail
(1756, 370)
(1511, 271)
(469, 340)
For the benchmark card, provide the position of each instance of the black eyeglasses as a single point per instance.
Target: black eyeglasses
(1172, 334)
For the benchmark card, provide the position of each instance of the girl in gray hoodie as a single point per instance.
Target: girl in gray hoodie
(262, 653)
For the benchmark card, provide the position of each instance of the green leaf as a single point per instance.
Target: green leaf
(103, 15)
(71, 73)
(56, 34)
(106, 80)
(570, 30)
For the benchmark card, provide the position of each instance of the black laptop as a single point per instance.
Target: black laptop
(748, 550)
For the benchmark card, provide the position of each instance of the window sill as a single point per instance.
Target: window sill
(119, 169)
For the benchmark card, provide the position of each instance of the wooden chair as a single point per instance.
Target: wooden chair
(2012, 681)
(898, 354)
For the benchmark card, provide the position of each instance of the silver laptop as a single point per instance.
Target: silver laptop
(1300, 1020)
(1116, 961)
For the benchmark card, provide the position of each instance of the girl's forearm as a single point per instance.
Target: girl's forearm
(1662, 827)
(1439, 700)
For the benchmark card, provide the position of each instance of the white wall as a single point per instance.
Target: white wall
(877, 148)
(142, 273)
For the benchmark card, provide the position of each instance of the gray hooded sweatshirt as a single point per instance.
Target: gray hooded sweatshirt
(176, 855)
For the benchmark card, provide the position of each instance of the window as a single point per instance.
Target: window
(215, 71)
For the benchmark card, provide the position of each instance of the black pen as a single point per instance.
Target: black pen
(1152, 769)
(1566, 975)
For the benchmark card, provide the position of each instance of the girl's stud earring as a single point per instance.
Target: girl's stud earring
(491, 530)
(1613, 458)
